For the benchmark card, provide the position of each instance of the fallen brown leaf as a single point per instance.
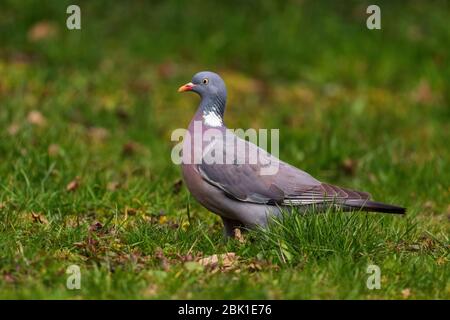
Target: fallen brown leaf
(254, 266)
(42, 30)
(223, 262)
(96, 226)
(73, 185)
(39, 218)
(406, 293)
(36, 118)
(185, 258)
(159, 254)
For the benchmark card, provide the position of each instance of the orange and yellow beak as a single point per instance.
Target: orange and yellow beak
(186, 87)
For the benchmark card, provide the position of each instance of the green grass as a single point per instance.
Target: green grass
(364, 109)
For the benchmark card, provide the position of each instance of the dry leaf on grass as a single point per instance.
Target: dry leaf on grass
(406, 293)
(39, 218)
(36, 118)
(96, 226)
(73, 185)
(165, 263)
(223, 262)
(42, 30)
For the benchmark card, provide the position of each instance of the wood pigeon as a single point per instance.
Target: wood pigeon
(237, 188)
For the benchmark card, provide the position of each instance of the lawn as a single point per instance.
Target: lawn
(86, 176)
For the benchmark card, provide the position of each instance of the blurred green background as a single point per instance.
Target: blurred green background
(86, 117)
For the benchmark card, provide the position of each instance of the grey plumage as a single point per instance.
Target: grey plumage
(239, 192)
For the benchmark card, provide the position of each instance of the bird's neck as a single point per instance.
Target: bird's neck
(212, 109)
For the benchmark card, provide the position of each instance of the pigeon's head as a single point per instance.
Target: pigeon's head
(207, 84)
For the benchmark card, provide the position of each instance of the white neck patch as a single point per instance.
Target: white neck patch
(212, 119)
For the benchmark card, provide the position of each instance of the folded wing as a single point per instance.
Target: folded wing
(245, 180)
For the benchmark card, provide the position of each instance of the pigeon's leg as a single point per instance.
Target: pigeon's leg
(230, 225)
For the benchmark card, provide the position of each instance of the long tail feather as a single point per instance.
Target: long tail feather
(367, 205)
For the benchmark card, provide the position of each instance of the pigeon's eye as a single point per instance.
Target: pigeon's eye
(205, 81)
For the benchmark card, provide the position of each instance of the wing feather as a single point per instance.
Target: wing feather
(244, 181)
